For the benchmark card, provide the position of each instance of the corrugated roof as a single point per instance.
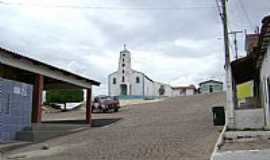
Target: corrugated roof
(36, 62)
(209, 81)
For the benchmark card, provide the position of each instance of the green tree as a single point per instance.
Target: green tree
(64, 96)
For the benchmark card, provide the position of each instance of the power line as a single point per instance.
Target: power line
(234, 33)
(107, 7)
(246, 13)
(219, 9)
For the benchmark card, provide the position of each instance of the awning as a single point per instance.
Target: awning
(244, 69)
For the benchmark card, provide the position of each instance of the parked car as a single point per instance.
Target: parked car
(105, 104)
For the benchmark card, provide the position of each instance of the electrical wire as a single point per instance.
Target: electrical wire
(246, 13)
(219, 9)
(109, 7)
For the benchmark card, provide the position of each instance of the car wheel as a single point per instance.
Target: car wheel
(92, 109)
(116, 109)
(104, 110)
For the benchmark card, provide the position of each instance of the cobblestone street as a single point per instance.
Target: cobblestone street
(175, 129)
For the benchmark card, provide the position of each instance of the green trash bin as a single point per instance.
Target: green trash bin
(218, 115)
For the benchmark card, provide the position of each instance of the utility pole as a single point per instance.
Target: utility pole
(224, 18)
(229, 89)
(234, 33)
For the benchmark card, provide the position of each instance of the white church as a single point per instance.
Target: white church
(129, 82)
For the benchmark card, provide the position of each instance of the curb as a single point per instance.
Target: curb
(11, 146)
(219, 142)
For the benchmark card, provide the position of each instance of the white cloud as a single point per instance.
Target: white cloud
(177, 47)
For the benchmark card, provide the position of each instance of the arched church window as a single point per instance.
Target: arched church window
(123, 71)
(123, 79)
(123, 65)
(114, 80)
(137, 79)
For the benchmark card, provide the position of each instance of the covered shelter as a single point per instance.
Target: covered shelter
(43, 76)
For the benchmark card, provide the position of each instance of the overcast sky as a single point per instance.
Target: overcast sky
(173, 41)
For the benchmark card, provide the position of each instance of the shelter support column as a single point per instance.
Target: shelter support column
(88, 116)
(37, 98)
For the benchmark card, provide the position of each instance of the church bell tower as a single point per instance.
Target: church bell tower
(125, 70)
(124, 60)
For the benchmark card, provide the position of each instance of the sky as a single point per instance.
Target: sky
(175, 42)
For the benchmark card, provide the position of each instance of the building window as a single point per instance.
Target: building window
(114, 80)
(210, 88)
(123, 79)
(137, 79)
(124, 55)
(123, 65)
(123, 60)
(123, 71)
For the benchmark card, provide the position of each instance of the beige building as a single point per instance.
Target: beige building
(184, 90)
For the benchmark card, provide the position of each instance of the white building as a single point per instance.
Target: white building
(184, 91)
(264, 43)
(253, 112)
(129, 82)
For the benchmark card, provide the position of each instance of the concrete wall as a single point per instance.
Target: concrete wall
(168, 89)
(114, 89)
(265, 84)
(249, 118)
(157, 85)
(15, 108)
(183, 92)
(190, 92)
(149, 88)
(137, 88)
(177, 92)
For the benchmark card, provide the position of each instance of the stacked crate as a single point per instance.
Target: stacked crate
(15, 108)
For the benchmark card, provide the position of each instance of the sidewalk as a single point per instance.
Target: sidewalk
(244, 145)
(138, 101)
(243, 155)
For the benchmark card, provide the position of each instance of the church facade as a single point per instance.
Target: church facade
(129, 82)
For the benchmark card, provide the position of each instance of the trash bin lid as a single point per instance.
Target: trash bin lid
(216, 108)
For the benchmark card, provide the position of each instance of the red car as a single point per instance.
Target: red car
(105, 104)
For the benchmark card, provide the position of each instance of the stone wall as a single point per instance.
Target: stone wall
(249, 119)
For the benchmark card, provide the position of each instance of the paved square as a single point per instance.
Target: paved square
(175, 129)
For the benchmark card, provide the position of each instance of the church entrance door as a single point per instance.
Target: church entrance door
(123, 89)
